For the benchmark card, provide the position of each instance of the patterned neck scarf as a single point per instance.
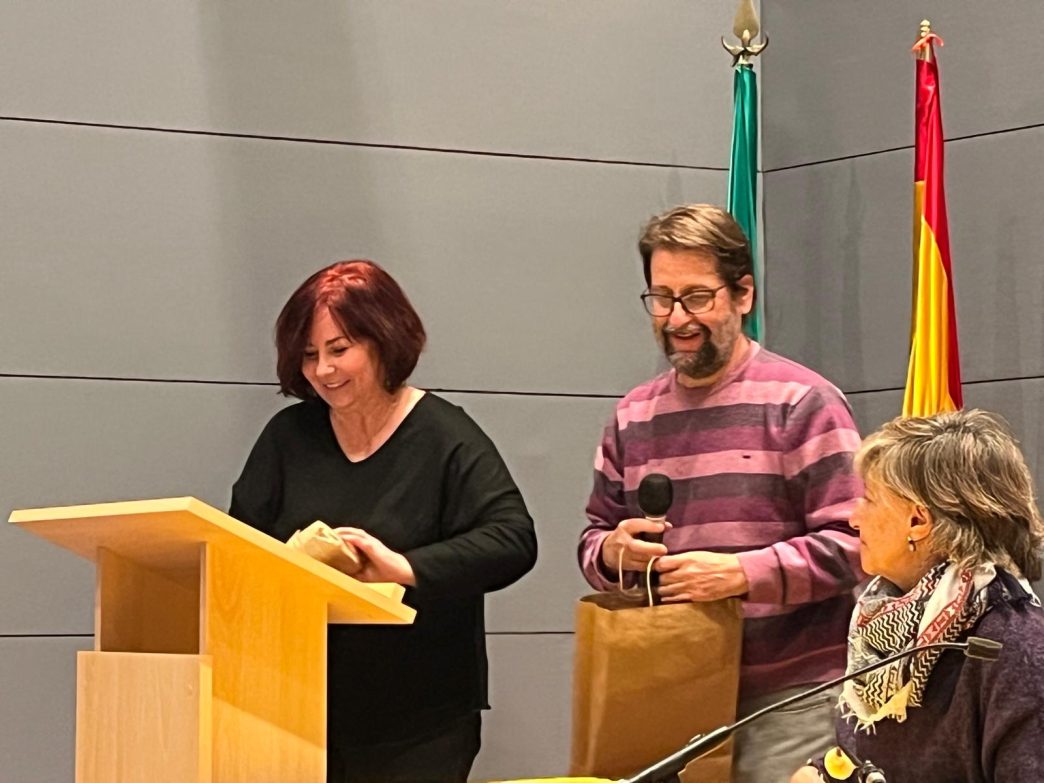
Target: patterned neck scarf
(943, 605)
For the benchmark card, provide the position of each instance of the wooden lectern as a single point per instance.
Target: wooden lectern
(209, 659)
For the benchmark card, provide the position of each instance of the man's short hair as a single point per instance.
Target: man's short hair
(701, 227)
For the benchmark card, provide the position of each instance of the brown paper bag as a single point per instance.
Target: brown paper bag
(647, 679)
(318, 540)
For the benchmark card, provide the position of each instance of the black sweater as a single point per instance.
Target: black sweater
(438, 492)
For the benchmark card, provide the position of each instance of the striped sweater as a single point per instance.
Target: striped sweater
(762, 466)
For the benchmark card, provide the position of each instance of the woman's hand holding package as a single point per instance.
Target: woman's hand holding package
(319, 541)
(380, 564)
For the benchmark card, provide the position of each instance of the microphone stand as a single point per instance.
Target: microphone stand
(667, 769)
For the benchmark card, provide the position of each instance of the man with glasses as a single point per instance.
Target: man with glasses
(759, 450)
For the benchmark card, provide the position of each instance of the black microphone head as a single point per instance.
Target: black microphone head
(655, 495)
(984, 649)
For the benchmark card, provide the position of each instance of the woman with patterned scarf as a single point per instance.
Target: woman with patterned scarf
(949, 526)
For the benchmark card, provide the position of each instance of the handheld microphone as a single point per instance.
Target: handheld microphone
(655, 495)
(666, 770)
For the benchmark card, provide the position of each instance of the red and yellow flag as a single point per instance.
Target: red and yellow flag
(933, 380)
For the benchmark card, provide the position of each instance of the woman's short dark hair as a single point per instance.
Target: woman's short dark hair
(368, 304)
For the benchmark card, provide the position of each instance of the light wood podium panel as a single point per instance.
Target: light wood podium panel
(210, 644)
(120, 733)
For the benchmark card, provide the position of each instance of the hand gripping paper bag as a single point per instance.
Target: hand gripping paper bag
(647, 678)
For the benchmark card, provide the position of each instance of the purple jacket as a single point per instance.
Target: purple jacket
(981, 721)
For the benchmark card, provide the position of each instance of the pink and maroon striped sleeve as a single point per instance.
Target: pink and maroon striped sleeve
(606, 508)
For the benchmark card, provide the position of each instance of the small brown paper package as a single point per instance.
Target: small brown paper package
(318, 540)
(647, 679)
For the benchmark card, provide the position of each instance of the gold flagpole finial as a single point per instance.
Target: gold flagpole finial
(923, 47)
(745, 27)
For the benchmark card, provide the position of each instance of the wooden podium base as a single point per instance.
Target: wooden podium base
(209, 661)
(143, 717)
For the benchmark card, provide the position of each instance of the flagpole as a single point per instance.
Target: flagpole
(743, 159)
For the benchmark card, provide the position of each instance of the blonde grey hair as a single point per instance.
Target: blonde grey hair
(701, 227)
(966, 469)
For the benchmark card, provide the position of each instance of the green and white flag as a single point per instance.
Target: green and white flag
(743, 181)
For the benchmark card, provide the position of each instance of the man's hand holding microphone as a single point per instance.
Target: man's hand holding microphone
(688, 576)
(640, 539)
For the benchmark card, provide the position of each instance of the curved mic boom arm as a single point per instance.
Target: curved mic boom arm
(667, 769)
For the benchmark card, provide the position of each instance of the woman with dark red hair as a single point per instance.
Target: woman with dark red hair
(422, 494)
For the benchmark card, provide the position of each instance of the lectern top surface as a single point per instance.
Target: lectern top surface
(167, 533)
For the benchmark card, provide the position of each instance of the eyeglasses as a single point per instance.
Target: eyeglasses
(694, 302)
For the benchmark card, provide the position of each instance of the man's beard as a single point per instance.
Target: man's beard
(708, 359)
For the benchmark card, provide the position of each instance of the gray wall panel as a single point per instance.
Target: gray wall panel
(1020, 402)
(872, 409)
(72, 442)
(549, 446)
(840, 262)
(839, 76)
(838, 268)
(161, 256)
(96, 441)
(38, 708)
(626, 81)
(995, 197)
(526, 734)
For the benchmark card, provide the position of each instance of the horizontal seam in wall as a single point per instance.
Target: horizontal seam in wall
(875, 391)
(118, 379)
(364, 145)
(963, 383)
(885, 151)
(274, 386)
(490, 392)
(46, 635)
(584, 395)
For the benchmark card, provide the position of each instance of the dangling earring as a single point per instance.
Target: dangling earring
(911, 544)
